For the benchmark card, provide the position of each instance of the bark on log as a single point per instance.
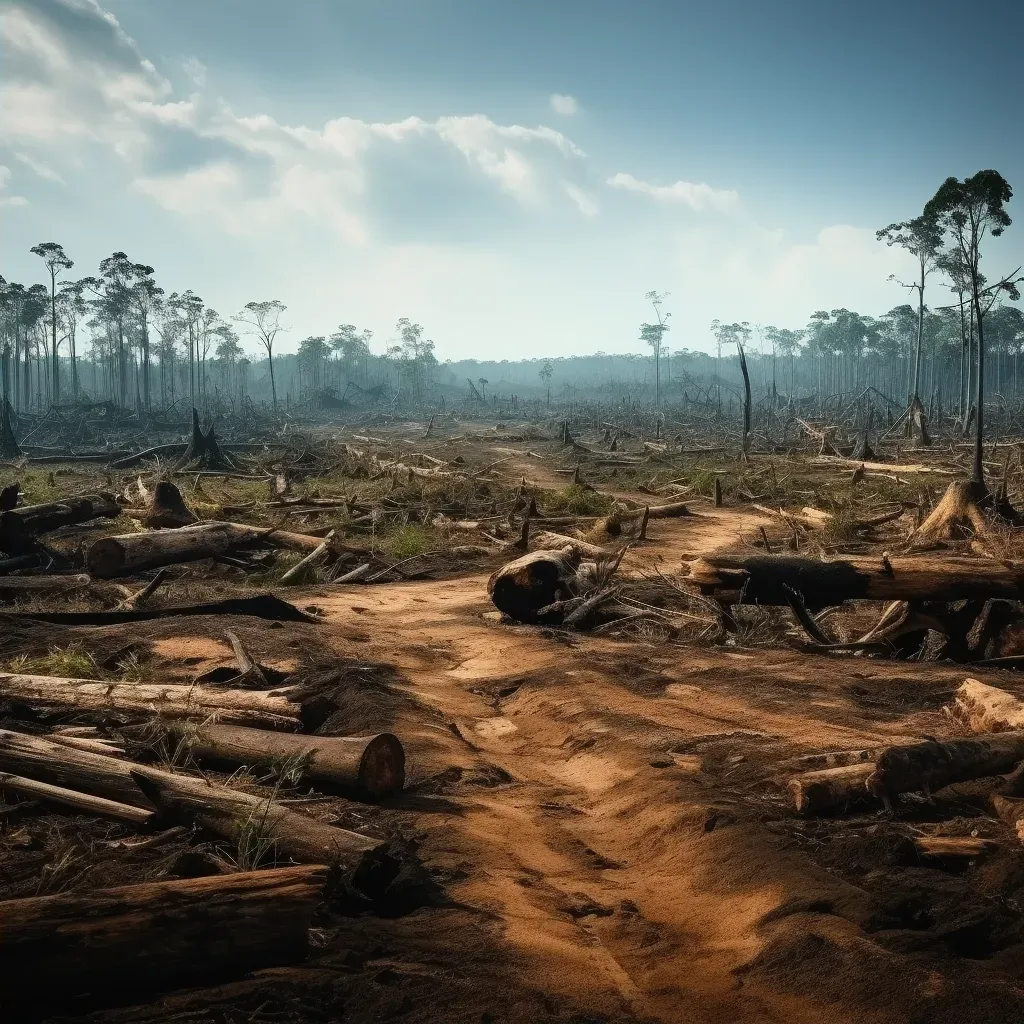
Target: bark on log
(257, 822)
(522, 587)
(81, 802)
(267, 708)
(109, 945)
(930, 765)
(814, 792)
(133, 552)
(20, 525)
(26, 583)
(298, 572)
(766, 579)
(369, 765)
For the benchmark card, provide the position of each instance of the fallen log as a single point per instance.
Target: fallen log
(20, 525)
(267, 708)
(298, 572)
(261, 828)
(930, 765)
(953, 846)
(830, 788)
(109, 945)
(82, 802)
(983, 708)
(369, 765)
(769, 579)
(545, 540)
(44, 583)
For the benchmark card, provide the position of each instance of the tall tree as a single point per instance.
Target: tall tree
(56, 260)
(922, 238)
(967, 211)
(653, 335)
(263, 320)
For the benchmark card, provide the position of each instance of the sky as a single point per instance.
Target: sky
(513, 176)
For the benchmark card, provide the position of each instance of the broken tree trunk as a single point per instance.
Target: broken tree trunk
(984, 708)
(9, 448)
(957, 516)
(770, 579)
(369, 765)
(109, 944)
(132, 552)
(522, 587)
(266, 708)
(167, 508)
(298, 572)
(19, 526)
(203, 452)
(930, 765)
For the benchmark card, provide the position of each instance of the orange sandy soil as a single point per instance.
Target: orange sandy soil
(612, 841)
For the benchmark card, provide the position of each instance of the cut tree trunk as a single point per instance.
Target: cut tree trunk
(368, 765)
(19, 526)
(106, 946)
(267, 708)
(930, 765)
(769, 579)
(261, 828)
(830, 788)
(522, 587)
(132, 552)
(957, 516)
(984, 708)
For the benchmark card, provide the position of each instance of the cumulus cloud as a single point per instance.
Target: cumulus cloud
(563, 104)
(78, 77)
(698, 197)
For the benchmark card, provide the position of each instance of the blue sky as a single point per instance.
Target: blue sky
(513, 176)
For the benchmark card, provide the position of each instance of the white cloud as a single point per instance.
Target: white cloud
(40, 169)
(563, 104)
(5, 176)
(698, 197)
(584, 202)
(196, 71)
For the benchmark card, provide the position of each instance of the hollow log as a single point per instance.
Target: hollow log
(830, 788)
(522, 587)
(767, 579)
(267, 708)
(106, 946)
(985, 708)
(369, 765)
(19, 525)
(930, 765)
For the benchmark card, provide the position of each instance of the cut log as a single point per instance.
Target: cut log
(81, 802)
(522, 587)
(132, 552)
(930, 765)
(267, 708)
(768, 579)
(830, 788)
(833, 759)
(983, 708)
(261, 828)
(367, 765)
(20, 525)
(111, 945)
(43, 583)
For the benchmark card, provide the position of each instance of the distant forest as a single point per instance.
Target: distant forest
(118, 335)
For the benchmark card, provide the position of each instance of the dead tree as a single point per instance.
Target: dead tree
(9, 448)
(203, 452)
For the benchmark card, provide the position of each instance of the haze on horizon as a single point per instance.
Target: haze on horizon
(513, 177)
